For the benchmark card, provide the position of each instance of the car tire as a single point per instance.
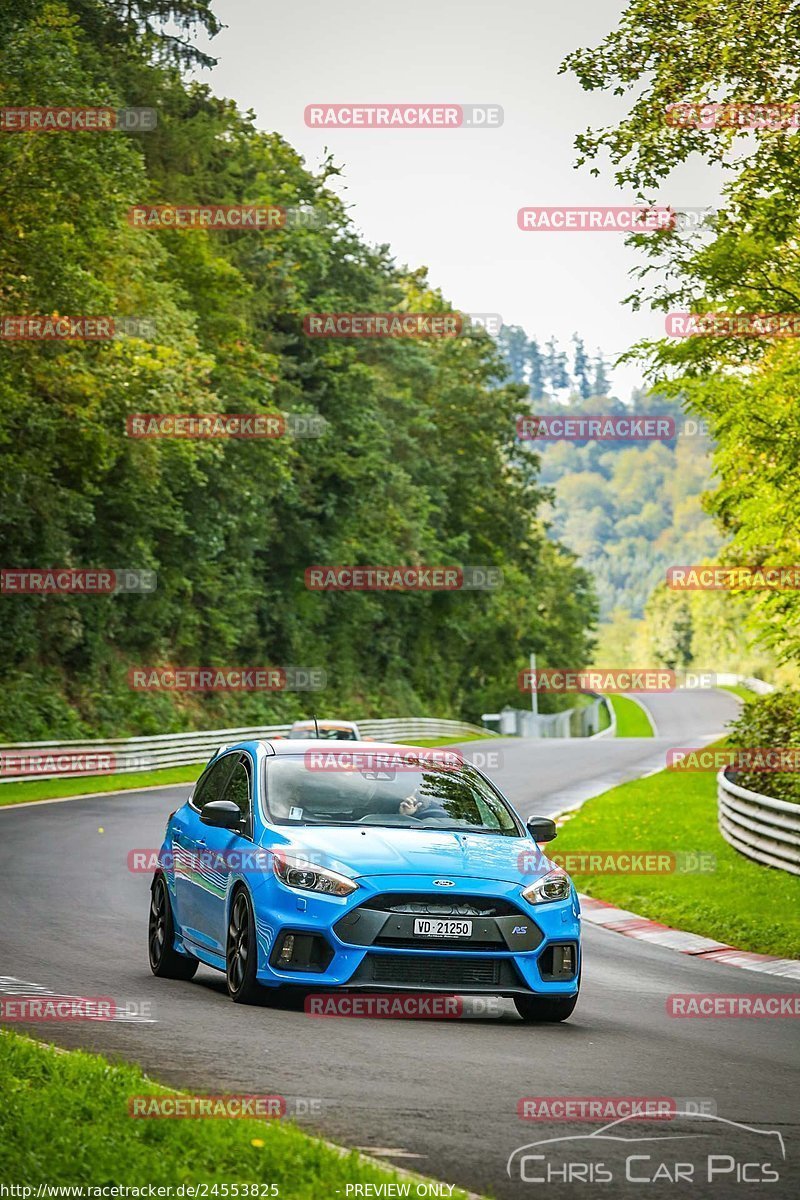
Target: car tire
(241, 952)
(165, 961)
(545, 1009)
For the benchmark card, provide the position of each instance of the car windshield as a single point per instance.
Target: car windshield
(303, 790)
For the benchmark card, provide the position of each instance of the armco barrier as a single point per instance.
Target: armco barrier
(761, 828)
(182, 749)
(570, 722)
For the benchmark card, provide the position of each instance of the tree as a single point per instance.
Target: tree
(420, 463)
(747, 388)
(556, 366)
(600, 383)
(536, 370)
(513, 342)
(580, 368)
(668, 622)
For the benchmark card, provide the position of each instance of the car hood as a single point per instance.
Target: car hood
(362, 852)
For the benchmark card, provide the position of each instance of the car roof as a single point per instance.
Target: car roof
(300, 745)
(324, 725)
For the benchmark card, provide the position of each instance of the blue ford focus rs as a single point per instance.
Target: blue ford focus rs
(382, 868)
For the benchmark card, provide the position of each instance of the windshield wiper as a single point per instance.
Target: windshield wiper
(312, 821)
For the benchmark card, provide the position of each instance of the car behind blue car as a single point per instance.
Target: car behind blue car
(383, 868)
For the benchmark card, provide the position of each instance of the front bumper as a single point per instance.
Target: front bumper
(365, 941)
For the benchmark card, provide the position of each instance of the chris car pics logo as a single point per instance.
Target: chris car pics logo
(694, 1148)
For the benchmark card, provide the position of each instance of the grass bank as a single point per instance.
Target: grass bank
(739, 902)
(64, 1120)
(632, 720)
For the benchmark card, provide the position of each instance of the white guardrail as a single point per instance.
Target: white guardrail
(570, 722)
(760, 827)
(30, 760)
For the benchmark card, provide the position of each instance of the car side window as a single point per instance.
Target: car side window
(239, 791)
(212, 784)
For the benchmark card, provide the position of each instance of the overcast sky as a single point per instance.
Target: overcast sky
(449, 198)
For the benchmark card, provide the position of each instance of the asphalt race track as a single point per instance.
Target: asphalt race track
(442, 1095)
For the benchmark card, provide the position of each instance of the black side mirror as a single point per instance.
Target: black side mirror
(223, 814)
(542, 829)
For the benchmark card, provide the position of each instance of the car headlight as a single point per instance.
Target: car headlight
(552, 886)
(297, 873)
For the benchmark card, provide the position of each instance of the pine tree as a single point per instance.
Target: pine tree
(580, 369)
(513, 342)
(601, 385)
(556, 366)
(536, 370)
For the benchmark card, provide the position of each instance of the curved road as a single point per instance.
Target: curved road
(441, 1095)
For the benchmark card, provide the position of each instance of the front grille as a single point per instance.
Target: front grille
(438, 905)
(426, 972)
(467, 974)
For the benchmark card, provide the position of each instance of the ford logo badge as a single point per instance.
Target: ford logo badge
(443, 883)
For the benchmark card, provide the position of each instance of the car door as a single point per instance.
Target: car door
(189, 842)
(225, 851)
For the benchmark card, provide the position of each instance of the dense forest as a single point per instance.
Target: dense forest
(417, 462)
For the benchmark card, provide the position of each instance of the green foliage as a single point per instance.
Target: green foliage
(64, 1121)
(769, 722)
(746, 260)
(418, 464)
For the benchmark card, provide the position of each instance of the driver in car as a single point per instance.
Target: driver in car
(422, 807)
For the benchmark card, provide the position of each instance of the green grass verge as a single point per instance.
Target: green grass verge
(742, 903)
(742, 692)
(64, 1120)
(50, 789)
(632, 720)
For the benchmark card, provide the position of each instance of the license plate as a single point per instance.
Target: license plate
(441, 928)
